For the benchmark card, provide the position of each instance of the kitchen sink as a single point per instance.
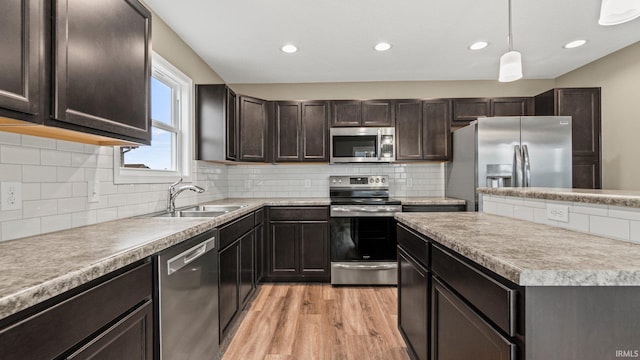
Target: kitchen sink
(201, 211)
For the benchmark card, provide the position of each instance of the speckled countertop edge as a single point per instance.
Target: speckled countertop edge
(37, 268)
(531, 254)
(622, 198)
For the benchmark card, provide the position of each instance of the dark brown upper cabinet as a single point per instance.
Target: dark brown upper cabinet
(422, 129)
(78, 68)
(22, 25)
(583, 105)
(102, 67)
(466, 110)
(469, 109)
(511, 106)
(216, 110)
(253, 129)
(301, 131)
(378, 113)
(362, 113)
(346, 113)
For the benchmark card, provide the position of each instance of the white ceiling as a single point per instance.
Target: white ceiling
(241, 39)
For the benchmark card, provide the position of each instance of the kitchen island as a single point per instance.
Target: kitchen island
(519, 289)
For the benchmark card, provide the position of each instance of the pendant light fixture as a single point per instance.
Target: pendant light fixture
(614, 12)
(511, 61)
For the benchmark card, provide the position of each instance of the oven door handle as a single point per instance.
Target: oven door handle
(367, 267)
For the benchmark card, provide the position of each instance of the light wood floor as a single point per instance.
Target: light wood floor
(318, 321)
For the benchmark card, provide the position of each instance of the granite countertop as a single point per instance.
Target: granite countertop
(625, 198)
(37, 268)
(531, 254)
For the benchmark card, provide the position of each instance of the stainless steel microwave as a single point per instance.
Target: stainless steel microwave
(364, 144)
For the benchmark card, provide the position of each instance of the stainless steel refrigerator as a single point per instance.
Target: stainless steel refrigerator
(527, 151)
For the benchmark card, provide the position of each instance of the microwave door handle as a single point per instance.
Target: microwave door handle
(379, 144)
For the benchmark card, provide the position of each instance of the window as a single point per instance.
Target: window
(169, 155)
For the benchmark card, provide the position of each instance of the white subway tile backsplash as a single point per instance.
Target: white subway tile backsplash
(523, 212)
(624, 213)
(9, 172)
(55, 223)
(589, 209)
(83, 218)
(32, 174)
(38, 142)
(55, 158)
(577, 222)
(20, 228)
(70, 205)
(39, 208)
(70, 174)
(31, 191)
(56, 190)
(610, 227)
(10, 138)
(69, 146)
(19, 155)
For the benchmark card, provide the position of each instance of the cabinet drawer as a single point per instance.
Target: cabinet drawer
(235, 229)
(259, 214)
(50, 333)
(299, 213)
(494, 299)
(414, 245)
(460, 333)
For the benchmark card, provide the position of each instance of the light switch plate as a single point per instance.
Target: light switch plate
(11, 196)
(93, 191)
(558, 212)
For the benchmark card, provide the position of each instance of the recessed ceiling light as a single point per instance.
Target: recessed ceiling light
(383, 46)
(574, 44)
(478, 45)
(289, 48)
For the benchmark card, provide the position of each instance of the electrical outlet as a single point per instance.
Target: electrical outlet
(11, 196)
(558, 212)
(93, 191)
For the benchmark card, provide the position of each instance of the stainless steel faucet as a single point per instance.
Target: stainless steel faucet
(173, 193)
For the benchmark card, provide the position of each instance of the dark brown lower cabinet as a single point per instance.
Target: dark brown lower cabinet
(109, 318)
(247, 283)
(122, 340)
(413, 304)
(298, 244)
(228, 261)
(460, 333)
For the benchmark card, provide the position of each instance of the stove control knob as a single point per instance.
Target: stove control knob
(382, 180)
(371, 180)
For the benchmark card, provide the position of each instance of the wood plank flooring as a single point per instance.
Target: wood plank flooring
(318, 321)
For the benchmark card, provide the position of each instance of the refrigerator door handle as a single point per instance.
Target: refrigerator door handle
(517, 164)
(527, 166)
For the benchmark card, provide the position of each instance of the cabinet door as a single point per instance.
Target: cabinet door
(586, 173)
(315, 131)
(511, 106)
(378, 113)
(459, 333)
(253, 129)
(314, 248)
(283, 250)
(130, 338)
(346, 113)
(247, 285)
(583, 105)
(260, 253)
(231, 121)
(210, 119)
(468, 109)
(413, 304)
(22, 26)
(287, 130)
(409, 130)
(436, 129)
(228, 262)
(102, 67)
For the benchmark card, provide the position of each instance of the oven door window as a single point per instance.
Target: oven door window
(354, 146)
(363, 239)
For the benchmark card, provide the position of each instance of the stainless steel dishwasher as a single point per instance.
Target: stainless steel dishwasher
(187, 293)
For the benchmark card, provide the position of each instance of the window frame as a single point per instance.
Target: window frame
(183, 153)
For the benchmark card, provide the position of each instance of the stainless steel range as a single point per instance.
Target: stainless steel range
(363, 234)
